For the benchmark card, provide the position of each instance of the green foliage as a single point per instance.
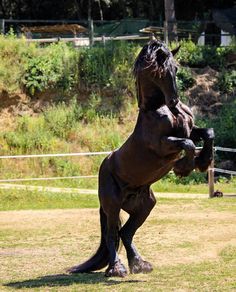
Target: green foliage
(227, 81)
(109, 66)
(225, 128)
(193, 178)
(199, 56)
(225, 125)
(61, 118)
(51, 66)
(28, 66)
(64, 167)
(27, 139)
(13, 55)
(185, 79)
(62, 128)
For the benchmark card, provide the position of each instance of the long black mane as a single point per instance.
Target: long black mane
(154, 56)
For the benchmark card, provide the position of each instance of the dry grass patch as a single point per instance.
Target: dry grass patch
(191, 243)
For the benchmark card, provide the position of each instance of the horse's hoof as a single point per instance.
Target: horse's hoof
(118, 270)
(140, 266)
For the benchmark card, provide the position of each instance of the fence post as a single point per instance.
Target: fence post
(211, 179)
(3, 26)
(91, 32)
(166, 32)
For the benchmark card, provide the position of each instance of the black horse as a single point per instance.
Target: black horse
(163, 132)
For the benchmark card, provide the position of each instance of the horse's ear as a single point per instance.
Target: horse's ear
(175, 51)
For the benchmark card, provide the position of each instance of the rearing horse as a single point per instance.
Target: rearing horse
(164, 130)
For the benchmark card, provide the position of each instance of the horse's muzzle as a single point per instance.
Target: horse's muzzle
(173, 102)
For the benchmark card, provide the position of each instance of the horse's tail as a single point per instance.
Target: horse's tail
(101, 258)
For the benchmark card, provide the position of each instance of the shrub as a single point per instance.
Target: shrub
(13, 54)
(61, 118)
(224, 125)
(227, 81)
(200, 56)
(185, 79)
(109, 66)
(49, 67)
(30, 142)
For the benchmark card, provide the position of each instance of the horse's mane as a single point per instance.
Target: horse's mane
(156, 56)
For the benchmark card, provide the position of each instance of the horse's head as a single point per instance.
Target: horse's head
(155, 71)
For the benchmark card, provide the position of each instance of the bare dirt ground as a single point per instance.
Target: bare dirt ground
(179, 235)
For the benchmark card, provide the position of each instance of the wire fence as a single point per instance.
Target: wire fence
(211, 169)
(214, 32)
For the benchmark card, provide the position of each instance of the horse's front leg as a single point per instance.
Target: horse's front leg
(203, 160)
(173, 145)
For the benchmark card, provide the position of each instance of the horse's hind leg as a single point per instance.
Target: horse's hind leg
(115, 268)
(110, 200)
(138, 215)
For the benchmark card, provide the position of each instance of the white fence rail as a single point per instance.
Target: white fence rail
(54, 155)
(211, 169)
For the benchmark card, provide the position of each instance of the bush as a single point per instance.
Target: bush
(227, 81)
(224, 125)
(49, 67)
(61, 118)
(33, 68)
(185, 79)
(110, 66)
(200, 56)
(13, 54)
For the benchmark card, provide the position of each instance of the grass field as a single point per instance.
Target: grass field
(190, 242)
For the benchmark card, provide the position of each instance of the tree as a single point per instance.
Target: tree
(171, 26)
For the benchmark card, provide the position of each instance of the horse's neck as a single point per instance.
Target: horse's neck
(149, 96)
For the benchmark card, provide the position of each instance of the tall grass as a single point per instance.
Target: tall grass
(61, 128)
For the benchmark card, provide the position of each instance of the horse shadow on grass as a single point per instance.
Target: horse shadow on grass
(63, 280)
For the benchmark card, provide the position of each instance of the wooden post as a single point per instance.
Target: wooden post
(171, 20)
(3, 26)
(166, 32)
(211, 179)
(90, 22)
(103, 40)
(91, 33)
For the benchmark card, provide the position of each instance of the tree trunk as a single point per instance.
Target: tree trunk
(100, 10)
(170, 21)
(90, 21)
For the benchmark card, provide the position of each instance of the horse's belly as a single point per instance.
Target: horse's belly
(139, 170)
